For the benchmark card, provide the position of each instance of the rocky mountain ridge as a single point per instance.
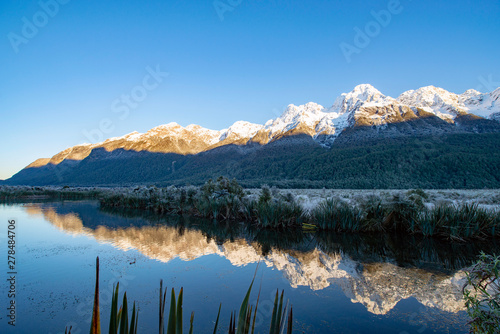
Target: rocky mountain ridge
(364, 106)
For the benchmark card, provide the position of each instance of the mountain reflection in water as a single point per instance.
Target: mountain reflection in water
(375, 270)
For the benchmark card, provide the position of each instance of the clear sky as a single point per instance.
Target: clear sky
(67, 67)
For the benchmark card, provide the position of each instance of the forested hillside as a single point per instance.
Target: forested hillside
(452, 161)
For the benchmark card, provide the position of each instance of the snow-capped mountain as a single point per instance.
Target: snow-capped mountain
(239, 130)
(311, 119)
(364, 108)
(448, 105)
(361, 95)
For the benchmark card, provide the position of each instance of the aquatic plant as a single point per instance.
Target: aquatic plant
(281, 318)
(118, 320)
(219, 200)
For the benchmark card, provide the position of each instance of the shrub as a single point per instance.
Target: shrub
(265, 195)
(482, 294)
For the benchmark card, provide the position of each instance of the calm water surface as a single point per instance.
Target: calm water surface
(336, 283)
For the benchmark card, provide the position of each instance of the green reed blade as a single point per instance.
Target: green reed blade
(95, 327)
(179, 313)
(290, 322)
(171, 316)
(191, 323)
(124, 318)
(217, 321)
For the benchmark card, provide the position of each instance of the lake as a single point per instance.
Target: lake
(336, 283)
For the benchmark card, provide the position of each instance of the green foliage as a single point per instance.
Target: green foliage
(175, 315)
(482, 294)
(374, 213)
(245, 313)
(417, 196)
(219, 200)
(222, 186)
(163, 294)
(244, 324)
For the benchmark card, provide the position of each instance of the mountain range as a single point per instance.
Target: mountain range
(421, 127)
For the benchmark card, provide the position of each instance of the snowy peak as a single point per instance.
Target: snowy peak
(187, 133)
(130, 137)
(307, 113)
(364, 106)
(172, 126)
(311, 119)
(448, 105)
(495, 95)
(359, 96)
(471, 93)
(240, 130)
(429, 96)
(365, 92)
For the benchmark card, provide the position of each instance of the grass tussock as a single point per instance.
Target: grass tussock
(337, 216)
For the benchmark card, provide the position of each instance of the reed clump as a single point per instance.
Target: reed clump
(337, 216)
(407, 214)
(223, 199)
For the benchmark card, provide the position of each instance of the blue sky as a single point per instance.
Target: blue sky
(226, 60)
